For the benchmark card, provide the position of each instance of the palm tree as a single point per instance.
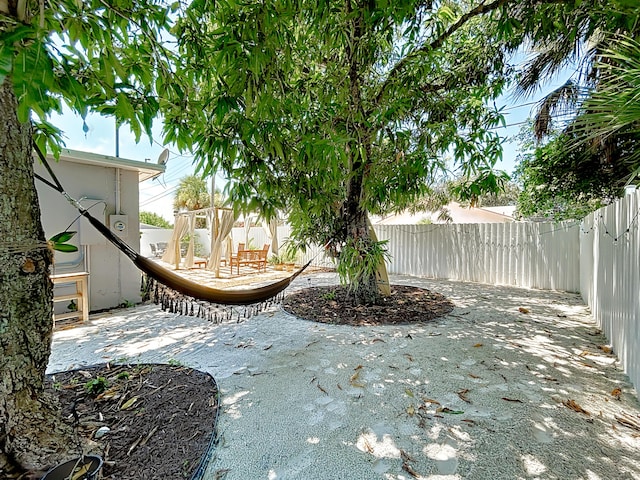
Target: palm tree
(192, 194)
(611, 115)
(570, 38)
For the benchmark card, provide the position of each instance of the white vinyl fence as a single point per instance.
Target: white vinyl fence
(610, 277)
(598, 257)
(534, 255)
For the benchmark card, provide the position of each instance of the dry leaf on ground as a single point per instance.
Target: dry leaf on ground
(574, 406)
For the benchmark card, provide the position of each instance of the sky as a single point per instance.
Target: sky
(157, 195)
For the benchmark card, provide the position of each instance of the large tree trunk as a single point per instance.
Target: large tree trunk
(31, 434)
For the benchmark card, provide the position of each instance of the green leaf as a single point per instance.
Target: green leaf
(64, 247)
(62, 237)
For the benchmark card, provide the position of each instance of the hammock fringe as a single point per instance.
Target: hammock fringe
(178, 303)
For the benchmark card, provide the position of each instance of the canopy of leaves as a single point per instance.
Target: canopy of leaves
(192, 194)
(563, 181)
(106, 56)
(151, 218)
(568, 38)
(609, 120)
(330, 109)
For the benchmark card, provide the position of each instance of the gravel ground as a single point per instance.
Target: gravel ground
(512, 384)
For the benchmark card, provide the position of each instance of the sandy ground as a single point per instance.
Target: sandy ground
(487, 392)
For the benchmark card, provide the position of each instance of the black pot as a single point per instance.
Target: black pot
(81, 468)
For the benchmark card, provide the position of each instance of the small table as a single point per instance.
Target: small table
(81, 280)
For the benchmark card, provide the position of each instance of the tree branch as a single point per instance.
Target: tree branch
(481, 9)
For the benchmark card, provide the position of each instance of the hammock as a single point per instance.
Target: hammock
(162, 284)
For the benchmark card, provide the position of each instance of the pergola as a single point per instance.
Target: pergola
(220, 221)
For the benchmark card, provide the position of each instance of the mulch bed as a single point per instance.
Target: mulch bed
(332, 305)
(166, 431)
(161, 418)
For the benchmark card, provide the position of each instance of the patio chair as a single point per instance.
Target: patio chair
(154, 250)
(161, 247)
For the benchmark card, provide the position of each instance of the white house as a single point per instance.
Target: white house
(457, 212)
(108, 187)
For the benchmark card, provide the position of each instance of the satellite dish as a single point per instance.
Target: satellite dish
(164, 156)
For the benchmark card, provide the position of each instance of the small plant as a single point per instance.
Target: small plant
(275, 260)
(96, 386)
(126, 304)
(123, 376)
(73, 306)
(359, 261)
(329, 295)
(176, 363)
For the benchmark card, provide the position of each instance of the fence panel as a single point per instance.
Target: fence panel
(610, 277)
(536, 255)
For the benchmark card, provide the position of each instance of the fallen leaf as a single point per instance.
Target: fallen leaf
(628, 421)
(473, 376)
(407, 468)
(449, 411)
(478, 345)
(408, 392)
(409, 357)
(129, 403)
(616, 392)
(523, 310)
(511, 399)
(268, 347)
(430, 400)
(463, 395)
(406, 457)
(321, 389)
(605, 348)
(358, 367)
(574, 406)
(411, 410)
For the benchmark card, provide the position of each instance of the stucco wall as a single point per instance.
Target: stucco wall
(113, 279)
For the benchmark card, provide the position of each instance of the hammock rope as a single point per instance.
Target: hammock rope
(173, 292)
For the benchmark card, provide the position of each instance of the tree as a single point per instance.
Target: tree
(192, 194)
(609, 120)
(563, 180)
(154, 219)
(103, 56)
(569, 37)
(337, 109)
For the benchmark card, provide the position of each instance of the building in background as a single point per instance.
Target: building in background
(108, 188)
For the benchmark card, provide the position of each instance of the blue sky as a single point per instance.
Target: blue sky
(157, 195)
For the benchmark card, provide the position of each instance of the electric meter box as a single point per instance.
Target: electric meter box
(119, 225)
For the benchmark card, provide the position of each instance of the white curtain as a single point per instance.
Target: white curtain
(271, 229)
(180, 229)
(224, 229)
(188, 261)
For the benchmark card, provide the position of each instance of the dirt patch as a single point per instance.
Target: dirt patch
(161, 418)
(331, 305)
